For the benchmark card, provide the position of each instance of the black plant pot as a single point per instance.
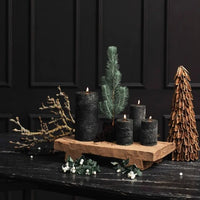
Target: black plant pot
(108, 131)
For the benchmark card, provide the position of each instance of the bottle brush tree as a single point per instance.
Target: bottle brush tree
(114, 96)
(183, 131)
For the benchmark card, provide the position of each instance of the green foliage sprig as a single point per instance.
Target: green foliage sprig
(121, 167)
(81, 166)
(114, 96)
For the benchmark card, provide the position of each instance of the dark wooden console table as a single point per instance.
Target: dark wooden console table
(161, 181)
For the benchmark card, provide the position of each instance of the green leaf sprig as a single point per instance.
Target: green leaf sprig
(122, 167)
(81, 166)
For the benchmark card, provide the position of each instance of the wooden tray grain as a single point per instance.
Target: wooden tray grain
(142, 156)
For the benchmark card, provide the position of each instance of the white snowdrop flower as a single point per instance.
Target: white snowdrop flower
(87, 172)
(81, 161)
(66, 167)
(94, 172)
(118, 170)
(133, 176)
(73, 170)
(131, 173)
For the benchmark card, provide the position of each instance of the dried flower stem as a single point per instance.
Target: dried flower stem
(61, 122)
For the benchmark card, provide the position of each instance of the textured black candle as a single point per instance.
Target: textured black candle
(149, 132)
(86, 127)
(124, 131)
(137, 113)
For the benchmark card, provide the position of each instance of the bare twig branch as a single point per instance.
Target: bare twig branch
(61, 123)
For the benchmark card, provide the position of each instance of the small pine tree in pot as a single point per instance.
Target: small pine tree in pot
(114, 96)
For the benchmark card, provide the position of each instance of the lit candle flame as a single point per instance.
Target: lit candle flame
(138, 102)
(125, 117)
(87, 90)
(150, 117)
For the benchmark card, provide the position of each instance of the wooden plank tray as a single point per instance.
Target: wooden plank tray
(142, 156)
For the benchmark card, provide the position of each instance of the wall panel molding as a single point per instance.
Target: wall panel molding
(6, 118)
(100, 43)
(168, 14)
(8, 48)
(166, 65)
(165, 126)
(33, 82)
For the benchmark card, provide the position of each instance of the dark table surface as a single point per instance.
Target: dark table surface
(161, 181)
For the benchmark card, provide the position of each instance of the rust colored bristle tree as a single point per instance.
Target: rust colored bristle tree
(182, 125)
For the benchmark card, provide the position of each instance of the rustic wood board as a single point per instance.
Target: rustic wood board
(142, 156)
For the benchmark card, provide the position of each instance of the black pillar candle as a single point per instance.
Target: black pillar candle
(124, 131)
(137, 113)
(149, 132)
(86, 127)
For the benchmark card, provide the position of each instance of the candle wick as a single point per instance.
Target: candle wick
(150, 117)
(138, 101)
